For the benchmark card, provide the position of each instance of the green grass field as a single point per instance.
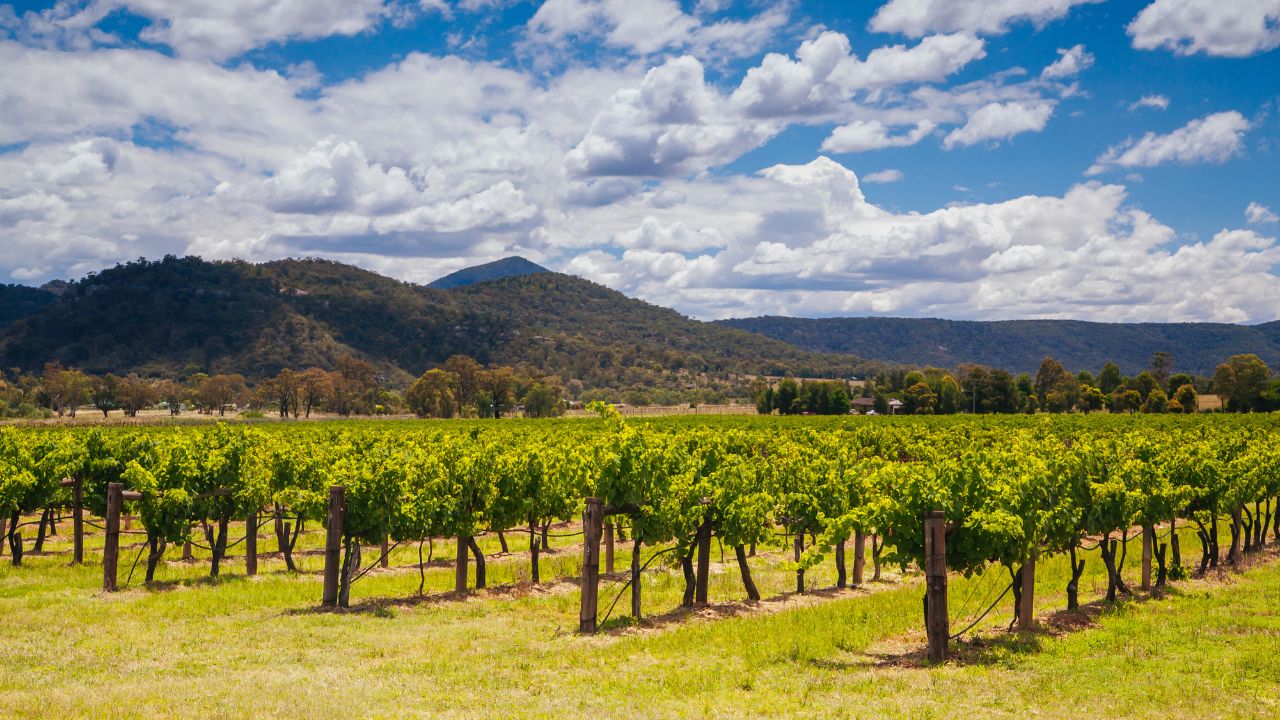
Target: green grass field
(257, 647)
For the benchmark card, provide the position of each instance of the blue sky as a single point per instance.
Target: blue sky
(1104, 160)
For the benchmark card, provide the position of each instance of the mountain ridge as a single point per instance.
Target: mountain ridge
(1020, 345)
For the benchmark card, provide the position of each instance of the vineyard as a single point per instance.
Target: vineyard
(651, 519)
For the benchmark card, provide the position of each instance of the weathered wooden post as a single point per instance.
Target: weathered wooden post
(116, 496)
(704, 562)
(77, 518)
(608, 547)
(1148, 542)
(386, 553)
(859, 556)
(592, 515)
(251, 544)
(188, 554)
(333, 544)
(799, 544)
(4, 526)
(460, 570)
(1027, 596)
(937, 626)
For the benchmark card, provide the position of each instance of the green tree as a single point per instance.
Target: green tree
(1109, 379)
(1161, 366)
(1240, 381)
(919, 399)
(1125, 401)
(784, 397)
(1156, 402)
(1091, 399)
(432, 395)
(542, 401)
(1186, 398)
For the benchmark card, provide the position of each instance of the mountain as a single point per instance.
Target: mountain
(496, 270)
(177, 316)
(1020, 345)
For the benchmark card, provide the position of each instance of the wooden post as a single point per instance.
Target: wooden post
(111, 550)
(635, 573)
(187, 554)
(704, 563)
(460, 572)
(4, 526)
(937, 626)
(799, 543)
(859, 556)
(77, 518)
(592, 515)
(333, 544)
(386, 553)
(116, 495)
(1148, 538)
(608, 547)
(251, 545)
(1027, 599)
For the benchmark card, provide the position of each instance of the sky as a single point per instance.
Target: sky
(1114, 160)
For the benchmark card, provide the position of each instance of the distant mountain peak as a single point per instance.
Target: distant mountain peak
(514, 266)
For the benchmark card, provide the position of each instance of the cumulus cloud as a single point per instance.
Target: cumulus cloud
(1084, 254)
(674, 123)
(649, 26)
(1070, 62)
(1213, 139)
(1158, 102)
(915, 18)
(1258, 214)
(881, 177)
(861, 135)
(999, 121)
(210, 29)
(824, 73)
(1228, 28)
(617, 169)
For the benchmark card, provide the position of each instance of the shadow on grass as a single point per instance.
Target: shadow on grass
(995, 646)
(380, 607)
(735, 608)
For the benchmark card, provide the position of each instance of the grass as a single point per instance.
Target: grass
(256, 647)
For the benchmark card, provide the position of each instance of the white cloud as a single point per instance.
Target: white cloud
(432, 163)
(1258, 214)
(915, 18)
(1070, 62)
(861, 135)
(1000, 121)
(1085, 254)
(880, 177)
(652, 234)
(1159, 102)
(674, 123)
(1228, 28)
(825, 73)
(649, 26)
(210, 29)
(1213, 139)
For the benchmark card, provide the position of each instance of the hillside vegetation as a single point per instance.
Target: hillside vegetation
(1020, 345)
(182, 315)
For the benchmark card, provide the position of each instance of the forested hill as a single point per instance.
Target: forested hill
(1020, 345)
(183, 315)
(19, 301)
(496, 270)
